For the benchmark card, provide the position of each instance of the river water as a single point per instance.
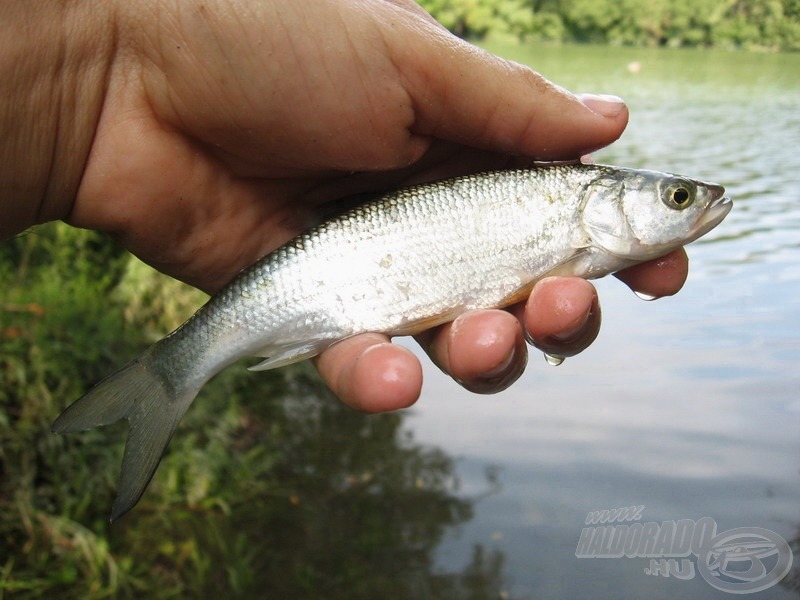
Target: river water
(688, 406)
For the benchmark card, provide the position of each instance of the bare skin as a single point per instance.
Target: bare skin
(204, 135)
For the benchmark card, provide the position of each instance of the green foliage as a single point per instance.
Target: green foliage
(271, 487)
(763, 24)
(480, 17)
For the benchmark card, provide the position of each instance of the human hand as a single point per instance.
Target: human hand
(224, 127)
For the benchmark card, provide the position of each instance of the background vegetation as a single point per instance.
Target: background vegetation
(271, 488)
(750, 24)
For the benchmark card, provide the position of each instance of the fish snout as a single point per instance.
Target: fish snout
(717, 192)
(716, 210)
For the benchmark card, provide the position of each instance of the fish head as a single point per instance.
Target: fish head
(640, 215)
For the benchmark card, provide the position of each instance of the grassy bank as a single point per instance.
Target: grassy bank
(271, 486)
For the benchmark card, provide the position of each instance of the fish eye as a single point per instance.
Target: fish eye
(679, 195)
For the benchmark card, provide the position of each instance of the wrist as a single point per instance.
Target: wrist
(55, 57)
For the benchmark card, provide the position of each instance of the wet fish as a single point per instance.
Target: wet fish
(401, 263)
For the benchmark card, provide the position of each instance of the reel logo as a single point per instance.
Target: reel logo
(744, 560)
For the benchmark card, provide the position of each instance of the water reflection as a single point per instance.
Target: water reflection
(688, 405)
(350, 506)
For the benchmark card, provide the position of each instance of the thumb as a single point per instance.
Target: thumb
(463, 94)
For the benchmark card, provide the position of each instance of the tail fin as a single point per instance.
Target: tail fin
(153, 408)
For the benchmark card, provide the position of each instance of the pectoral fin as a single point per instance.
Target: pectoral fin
(575, 265)
(420, 325)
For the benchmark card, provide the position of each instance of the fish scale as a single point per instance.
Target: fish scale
(399, 264)
(377, 267)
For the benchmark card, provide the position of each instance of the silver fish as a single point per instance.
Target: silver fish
(401, 263)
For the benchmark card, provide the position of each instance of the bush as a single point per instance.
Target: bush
(773, 24)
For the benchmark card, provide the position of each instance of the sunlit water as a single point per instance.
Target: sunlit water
(688, 405)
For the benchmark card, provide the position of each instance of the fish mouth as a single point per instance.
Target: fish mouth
(717, 209)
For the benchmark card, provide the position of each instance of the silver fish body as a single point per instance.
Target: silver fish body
(401, 263)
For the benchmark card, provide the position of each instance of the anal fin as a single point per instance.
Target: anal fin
(280, 357)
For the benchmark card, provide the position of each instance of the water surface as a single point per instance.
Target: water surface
(688, 406)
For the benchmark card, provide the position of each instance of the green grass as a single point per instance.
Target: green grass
(270, 487)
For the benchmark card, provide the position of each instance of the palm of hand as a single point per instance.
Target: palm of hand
(223, 131)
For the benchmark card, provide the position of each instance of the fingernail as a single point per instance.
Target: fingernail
(502, 367)
(605, 105)
(501, 377)
(566, 337)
